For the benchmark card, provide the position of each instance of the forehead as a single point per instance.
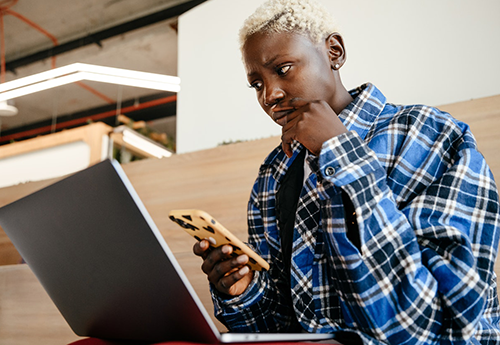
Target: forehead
(263, 48)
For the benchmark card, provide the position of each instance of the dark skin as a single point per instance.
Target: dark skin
(298, 85)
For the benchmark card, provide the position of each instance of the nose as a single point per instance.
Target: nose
(272, 95)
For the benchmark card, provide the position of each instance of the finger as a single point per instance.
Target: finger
(310, 125)
(287, 147)
(280, 120)
(282, 115)
(292, 120)
(215, 256)
(289, 130)
(226, 283)
(287, 137)
(200, 248)
(226, 268)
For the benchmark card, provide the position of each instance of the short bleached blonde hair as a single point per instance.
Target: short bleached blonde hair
(306, 17)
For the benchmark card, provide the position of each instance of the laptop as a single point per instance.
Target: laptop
(98, 254)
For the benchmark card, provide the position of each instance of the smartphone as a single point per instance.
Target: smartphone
(201, 225)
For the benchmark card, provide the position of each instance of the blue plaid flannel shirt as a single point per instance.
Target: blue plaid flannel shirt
(427, 210)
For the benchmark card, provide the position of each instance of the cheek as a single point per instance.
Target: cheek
(308, 87)
(321, 77)
(314, 82)
(324, 84)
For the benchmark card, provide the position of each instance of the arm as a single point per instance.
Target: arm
(425, 264)
(261, 308)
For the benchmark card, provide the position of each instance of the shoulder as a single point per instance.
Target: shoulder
(267, 171)
(277, 162)
(418, 139)
(423, 123)
(274, 156)
(274, 168)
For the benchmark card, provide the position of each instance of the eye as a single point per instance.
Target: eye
(257, 85)
(282, 70)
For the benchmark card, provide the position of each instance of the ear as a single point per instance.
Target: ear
(336, 50)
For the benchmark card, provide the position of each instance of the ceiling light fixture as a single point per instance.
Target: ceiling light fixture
(7, 109)
(80, 71)
(136, 141)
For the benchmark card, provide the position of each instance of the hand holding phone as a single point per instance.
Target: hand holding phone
(201, 225)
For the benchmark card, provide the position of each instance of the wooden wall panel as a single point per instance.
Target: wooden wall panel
(483, 117)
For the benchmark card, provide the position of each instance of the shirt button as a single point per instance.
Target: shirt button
(329, 171)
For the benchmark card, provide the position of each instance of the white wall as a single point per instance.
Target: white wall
(44, 164)
(428, 51)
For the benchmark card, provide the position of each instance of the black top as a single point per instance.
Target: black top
(287, 198)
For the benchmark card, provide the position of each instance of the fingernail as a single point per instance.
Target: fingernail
(211, 240)
(244, 270)
(242, 259)
(226, 249)
(203, 244)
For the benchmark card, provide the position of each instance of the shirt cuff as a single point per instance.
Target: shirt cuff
(345, 158)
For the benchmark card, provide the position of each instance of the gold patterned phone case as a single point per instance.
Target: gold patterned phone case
(201, 225)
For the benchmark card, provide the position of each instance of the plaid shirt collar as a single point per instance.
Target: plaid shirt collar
(361, 113)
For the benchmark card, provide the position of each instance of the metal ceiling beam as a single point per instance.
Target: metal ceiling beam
(97, 37)
(150, 107)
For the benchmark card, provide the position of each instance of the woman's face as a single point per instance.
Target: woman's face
(288, 68)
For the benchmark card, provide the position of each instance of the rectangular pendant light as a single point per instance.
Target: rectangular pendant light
(79, 72)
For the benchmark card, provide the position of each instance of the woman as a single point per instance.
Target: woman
(378, 220)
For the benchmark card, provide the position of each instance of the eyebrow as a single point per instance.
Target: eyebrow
(268, 63)
(271, 61)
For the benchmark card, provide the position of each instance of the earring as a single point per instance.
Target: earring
(337, 66)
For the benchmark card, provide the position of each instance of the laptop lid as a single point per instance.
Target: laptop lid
(96, 251)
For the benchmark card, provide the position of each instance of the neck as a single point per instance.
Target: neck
(342, 99)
